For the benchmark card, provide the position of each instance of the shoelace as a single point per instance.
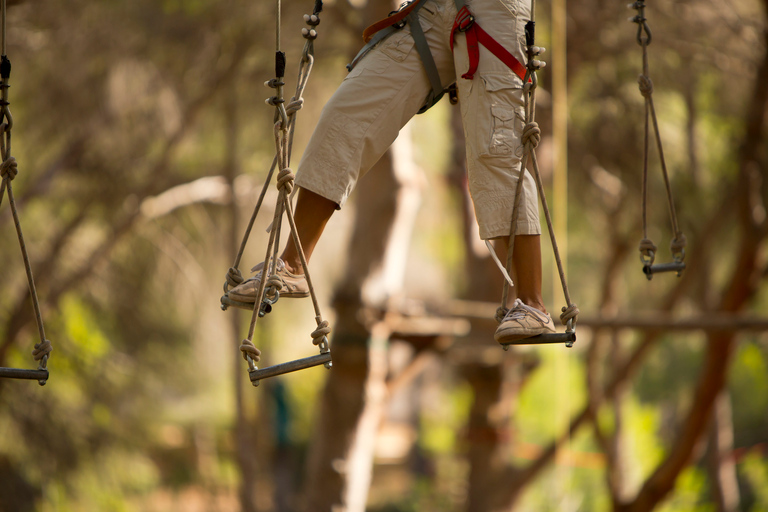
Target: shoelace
(520, 309)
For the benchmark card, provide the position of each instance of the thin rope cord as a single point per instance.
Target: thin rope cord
(283, 132)
(530, 140)
(9, 171)
(647, 248)
(645, 150)
(234, 276)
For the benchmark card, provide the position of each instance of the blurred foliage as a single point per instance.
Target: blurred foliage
(116, 102)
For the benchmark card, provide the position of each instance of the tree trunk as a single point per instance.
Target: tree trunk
(355, 397)
(721, 465)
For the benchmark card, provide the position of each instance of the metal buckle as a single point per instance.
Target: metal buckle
(466, 21)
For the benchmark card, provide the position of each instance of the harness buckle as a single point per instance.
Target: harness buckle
(400, 24)
(464, 20)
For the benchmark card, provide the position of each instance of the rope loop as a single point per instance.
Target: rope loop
(320, 334)
(294, 106)
(677, 247)
(249, 350)
(646, 85)
(9, 169)
(42, 349)
(643, 30)
(234, 277)
(531, 135)
(647, 251)
(501, 312)
(569, 313)
(274, 283)
(285, 179)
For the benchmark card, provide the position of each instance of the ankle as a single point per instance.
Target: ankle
(293, 267)
(534, 302)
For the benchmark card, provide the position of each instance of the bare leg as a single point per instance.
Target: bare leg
(311, 215)
(527, 261)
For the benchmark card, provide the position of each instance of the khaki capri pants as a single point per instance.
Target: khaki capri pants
(389, 85)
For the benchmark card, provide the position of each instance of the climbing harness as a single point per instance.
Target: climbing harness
(8, 171)
(408, 14)
(465, 22)
(647, 247)
(530, 139)
(269, 287)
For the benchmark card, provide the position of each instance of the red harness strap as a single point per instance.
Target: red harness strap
(465, 22)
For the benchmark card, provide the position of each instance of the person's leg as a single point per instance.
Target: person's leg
(526, 256)
(357, 125)
(311, 215)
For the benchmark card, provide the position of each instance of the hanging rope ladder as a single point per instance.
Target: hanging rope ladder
(269, 289)
(8, 171)
(530, 140)
(647, 248)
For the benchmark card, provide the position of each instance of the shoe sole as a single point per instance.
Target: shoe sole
(506, 338)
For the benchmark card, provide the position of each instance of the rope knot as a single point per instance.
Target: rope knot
(646, 85)
(501, 312)
(294, 106)
(320, 334)
(234, 277)
(531, 135)
(275, 282)
(9, 168)
(677, 245)
(569, 313)
(285, 179)
(647, 248)
(42, 349)
(249, 350)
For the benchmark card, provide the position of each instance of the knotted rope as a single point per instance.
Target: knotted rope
(234, 277)
(285, 179)
(645, 84)
(530, 138)
(42, 350)
(291, 109)
(8, 171)
(285, 116)
(249, 350)
(320, 335)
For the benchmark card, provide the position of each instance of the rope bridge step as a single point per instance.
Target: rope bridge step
(17, 373)
(290, 366)
(677, 266)
(569, 338)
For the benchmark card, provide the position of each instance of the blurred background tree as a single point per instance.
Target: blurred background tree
(142, 140)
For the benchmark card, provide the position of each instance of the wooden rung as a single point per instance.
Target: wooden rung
(18, 373)
(569, 338)
(649, 270)
(290, 366)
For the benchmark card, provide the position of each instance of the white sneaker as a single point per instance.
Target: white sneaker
(293, 285)
(523, 321)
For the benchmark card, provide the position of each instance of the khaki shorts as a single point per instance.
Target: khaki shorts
(388, 87)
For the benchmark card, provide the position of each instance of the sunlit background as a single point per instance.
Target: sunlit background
(143, 140)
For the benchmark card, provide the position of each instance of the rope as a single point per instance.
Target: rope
(8, 171)
(530, 138)
(284, 123)
(291, 109)
(647, 248)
